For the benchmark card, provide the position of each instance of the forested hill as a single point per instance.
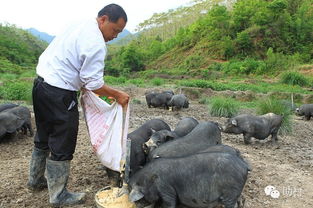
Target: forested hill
(19, 50)
(249, 36)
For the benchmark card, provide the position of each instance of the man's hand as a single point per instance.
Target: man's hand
(122, 98)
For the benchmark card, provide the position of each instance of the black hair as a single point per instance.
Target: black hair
(114, 12)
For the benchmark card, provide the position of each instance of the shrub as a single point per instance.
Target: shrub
(294, 78)
(271, 105)
(223, 107)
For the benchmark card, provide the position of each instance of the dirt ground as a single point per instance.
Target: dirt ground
(289, 168)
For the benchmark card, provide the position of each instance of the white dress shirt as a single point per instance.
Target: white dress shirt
(75, 59)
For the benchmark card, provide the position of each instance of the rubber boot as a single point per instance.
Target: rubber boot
(57, 176)
(37, 180)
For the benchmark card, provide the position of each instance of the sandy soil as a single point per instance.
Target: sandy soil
(288, 168)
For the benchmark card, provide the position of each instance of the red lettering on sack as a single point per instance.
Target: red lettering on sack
(95, 148)
(96, 145)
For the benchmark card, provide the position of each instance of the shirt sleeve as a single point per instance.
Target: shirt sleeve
(92, 68)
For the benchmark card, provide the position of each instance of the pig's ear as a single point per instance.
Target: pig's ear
(135, 195)
(169, 136)
(234, 122)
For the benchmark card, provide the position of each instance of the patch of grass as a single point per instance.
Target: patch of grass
(17, 90)
(223, 107)
(261, 87)
(8, 76)
(271, 105)
(135, 101)
(137, 82)
(204, 100)
(31, 73)
(114, 80)
(146, 73)
(294, 78)
(157, 82)
(251, 104)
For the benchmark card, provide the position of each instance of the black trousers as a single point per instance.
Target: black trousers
(57, 119)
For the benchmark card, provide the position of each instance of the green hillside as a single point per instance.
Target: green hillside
(246, 45)
(234, 37)
(19, 50)
(19, 53)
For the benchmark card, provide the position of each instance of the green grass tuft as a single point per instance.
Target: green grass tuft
(223, 107)
(271, 105)
(294, 78)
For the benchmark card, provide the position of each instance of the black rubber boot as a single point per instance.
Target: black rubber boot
(37, 180)
(57, 176)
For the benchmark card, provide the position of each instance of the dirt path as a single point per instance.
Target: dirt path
(289, 168)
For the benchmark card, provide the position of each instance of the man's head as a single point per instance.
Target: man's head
(111, 20)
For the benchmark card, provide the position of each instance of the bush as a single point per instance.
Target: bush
(223, 107)
(294, 78)
(271, 105)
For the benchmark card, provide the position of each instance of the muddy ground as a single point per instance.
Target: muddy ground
(289, 168)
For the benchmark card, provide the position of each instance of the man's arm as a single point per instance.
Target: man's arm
(121, 97)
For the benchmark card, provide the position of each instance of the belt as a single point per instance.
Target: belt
(39, 78)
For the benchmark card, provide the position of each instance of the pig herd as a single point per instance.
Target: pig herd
(14, 118)
(189, 166)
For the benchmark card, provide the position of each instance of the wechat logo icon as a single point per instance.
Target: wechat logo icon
(271, 191)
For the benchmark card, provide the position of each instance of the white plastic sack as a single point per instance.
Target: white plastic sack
(107, 131)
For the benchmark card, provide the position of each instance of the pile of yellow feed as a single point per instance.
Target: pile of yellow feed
(108, 199)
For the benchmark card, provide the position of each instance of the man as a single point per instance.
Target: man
(73, 60)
